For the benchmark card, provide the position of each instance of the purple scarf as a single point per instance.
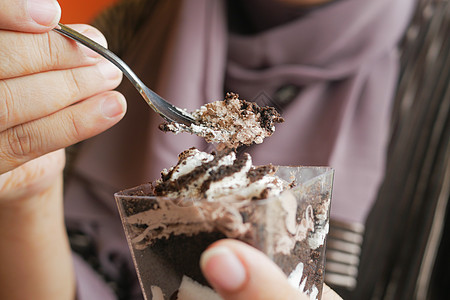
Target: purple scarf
(332, 73)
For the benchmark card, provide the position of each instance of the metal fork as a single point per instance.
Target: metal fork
(157, 103)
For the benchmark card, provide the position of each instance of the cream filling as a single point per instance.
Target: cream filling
(196, 159)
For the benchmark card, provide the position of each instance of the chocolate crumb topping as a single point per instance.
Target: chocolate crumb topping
(257, 173)
(165, 127)
(230, 96)
(233, 122)
(183, 181)
(264, 194)
(268, 117)
(223, 172)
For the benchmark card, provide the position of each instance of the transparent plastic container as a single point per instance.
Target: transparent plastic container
(167, 236)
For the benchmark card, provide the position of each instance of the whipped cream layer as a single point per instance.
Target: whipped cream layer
(207, 192)
(218, 177)
(232, 122)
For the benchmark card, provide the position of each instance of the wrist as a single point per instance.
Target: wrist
(34, 246)
(30, 213)
(31, 179)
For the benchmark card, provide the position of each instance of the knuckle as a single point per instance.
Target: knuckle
(46, 54)
(6, 101)
(20, 141)
(74, 85)
(11, 55)
(25, 53)
(75, 127)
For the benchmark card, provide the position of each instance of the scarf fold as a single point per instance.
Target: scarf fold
(342, 58)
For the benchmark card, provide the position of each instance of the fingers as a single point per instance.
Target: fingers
(28, 53)
(329, 294)
(60, 129)
(27, 98)
(51, 90)
(29, 15)
(238, 271)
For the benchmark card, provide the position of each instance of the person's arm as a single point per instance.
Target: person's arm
(52, 94)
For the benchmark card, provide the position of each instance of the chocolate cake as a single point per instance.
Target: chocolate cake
(283, 211)
(232, 122)
(170, 222)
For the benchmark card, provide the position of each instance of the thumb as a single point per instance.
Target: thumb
(238, 271)
(29, 15)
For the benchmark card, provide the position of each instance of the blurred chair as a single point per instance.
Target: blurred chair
(405, 253)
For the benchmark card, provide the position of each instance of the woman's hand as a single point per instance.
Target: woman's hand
(53, 93)
(238, 271)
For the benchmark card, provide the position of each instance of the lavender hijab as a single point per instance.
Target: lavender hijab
(338, 64)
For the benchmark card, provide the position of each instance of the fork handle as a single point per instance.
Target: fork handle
(156, 102)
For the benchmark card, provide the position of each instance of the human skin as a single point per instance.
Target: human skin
(238, 271)
(53, 94)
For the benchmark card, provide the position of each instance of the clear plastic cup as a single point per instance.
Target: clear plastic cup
(167, 236)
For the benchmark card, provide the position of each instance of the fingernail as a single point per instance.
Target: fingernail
(223, 269)
(44, 12)
(113, 106)
(108, 70)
